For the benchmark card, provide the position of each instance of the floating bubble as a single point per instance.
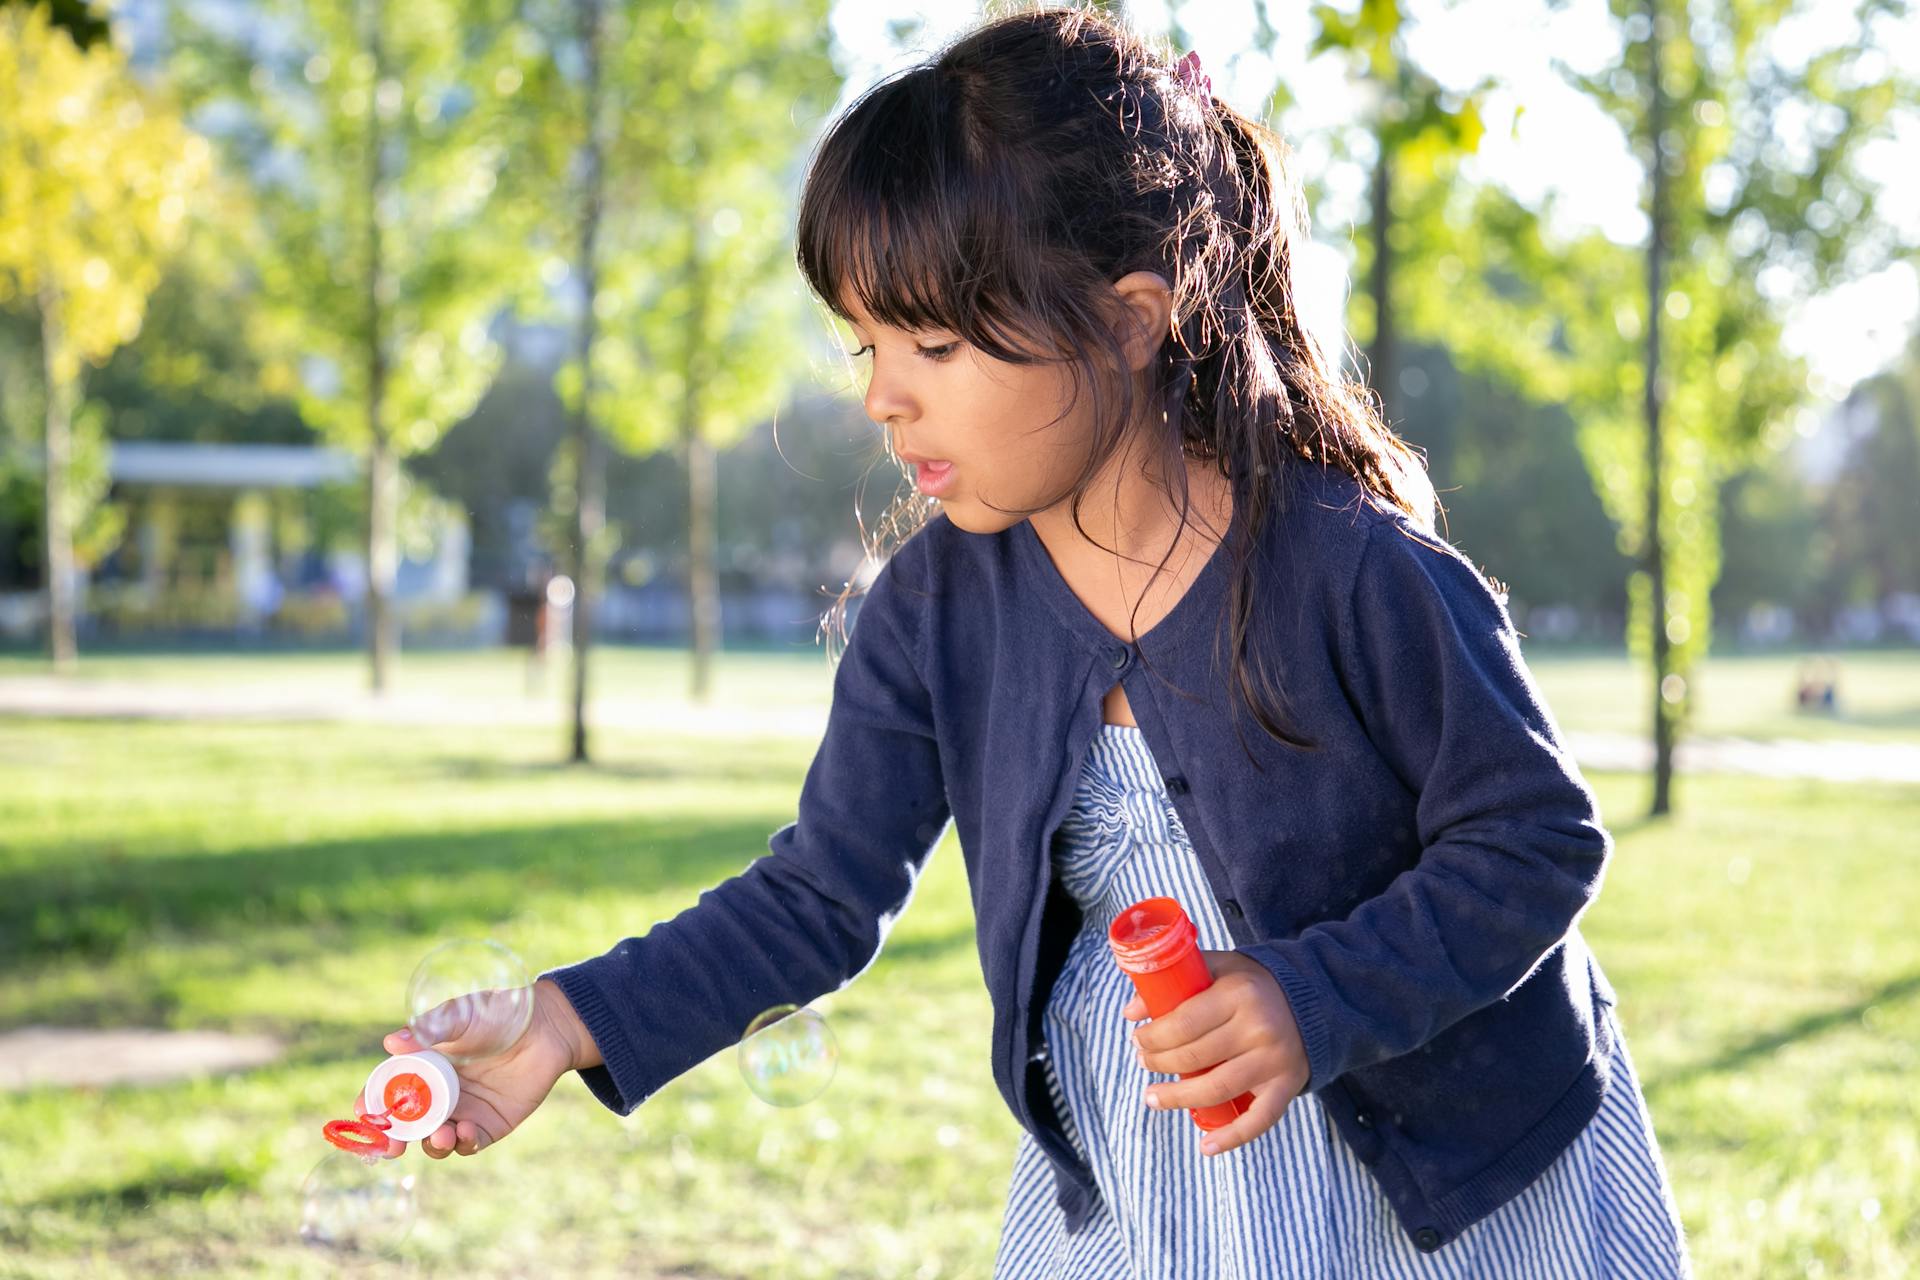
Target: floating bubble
(363, 1203)
(469, 999)
(788, 1055)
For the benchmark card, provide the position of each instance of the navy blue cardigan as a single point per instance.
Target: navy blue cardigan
(1412, 882)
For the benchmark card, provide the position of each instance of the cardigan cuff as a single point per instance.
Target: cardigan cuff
(618, 1083)
(1309, 1013)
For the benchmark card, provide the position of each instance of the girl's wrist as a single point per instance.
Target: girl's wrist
(576, 1043)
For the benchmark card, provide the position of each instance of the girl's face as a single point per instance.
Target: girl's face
(980, 433)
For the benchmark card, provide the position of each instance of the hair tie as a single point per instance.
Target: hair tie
(1189, 73)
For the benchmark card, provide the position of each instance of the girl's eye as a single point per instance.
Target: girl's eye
(931, 353)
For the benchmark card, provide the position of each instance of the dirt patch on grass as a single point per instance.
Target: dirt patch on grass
(32, 1056)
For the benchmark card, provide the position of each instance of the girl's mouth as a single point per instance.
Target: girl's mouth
(932, 478)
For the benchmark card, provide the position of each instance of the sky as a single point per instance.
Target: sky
(1561, 143)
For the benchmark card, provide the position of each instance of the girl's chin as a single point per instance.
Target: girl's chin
(970, 518)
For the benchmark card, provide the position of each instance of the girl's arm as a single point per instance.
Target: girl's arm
(1512, 845)
(811, 916)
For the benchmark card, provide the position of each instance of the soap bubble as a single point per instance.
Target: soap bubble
(469, 999)
(788, 1055)
(356, 1202)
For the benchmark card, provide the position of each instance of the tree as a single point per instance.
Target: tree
(689, 316)
(1753, 150)
(1416, 126)
(96, 178)
(374, 137)
(1670, 358)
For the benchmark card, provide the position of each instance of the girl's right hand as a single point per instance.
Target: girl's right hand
(498, 1092)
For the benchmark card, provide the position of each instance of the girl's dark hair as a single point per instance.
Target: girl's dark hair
(999, 189)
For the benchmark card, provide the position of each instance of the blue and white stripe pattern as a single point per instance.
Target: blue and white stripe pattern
(1295, 1202)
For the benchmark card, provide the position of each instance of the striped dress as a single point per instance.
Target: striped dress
(1294, 1202)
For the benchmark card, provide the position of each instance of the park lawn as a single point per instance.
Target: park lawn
(783, 675)
(285, 878)
(1738, 695)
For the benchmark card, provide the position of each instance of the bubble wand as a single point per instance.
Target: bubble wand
(1154, 943)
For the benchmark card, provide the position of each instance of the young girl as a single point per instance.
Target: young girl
(1166, 616)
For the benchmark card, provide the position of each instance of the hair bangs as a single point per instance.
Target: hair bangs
(887, 219)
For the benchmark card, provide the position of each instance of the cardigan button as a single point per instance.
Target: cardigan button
(1232, 908)
(1364, 1119)
(1120, 658)
(1426, 1239)
(1176, 785)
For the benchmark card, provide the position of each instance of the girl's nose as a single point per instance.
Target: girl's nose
(887, 400)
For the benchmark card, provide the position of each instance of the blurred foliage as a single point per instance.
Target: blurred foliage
(1758, 222)
(75, 17)
(701, 316)
(1513, 488)
(193, 375)
(257, 328)
(371, 158)
(1874, 507)
(97, 178)
(784, 502)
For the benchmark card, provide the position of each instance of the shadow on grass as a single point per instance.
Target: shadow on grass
(143, 1192)
(1806, 1028)
(407, 883)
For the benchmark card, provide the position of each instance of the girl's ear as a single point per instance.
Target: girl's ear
(1146, 307)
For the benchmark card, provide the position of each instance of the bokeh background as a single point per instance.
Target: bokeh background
(422, 476)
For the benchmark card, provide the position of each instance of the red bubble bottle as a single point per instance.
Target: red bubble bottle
(1155, 944)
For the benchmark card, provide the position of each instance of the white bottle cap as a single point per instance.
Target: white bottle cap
(443, 1090)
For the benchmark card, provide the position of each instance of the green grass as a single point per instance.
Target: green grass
(1748, 696)
(286, 878)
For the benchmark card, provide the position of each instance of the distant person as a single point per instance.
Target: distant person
(1167, 615)
(1817, 681)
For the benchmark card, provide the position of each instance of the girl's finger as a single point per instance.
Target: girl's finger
(1269, 1104)
(1215, 1046)
(473, 1139)
(1196, 1016)
(439, 1144)
(1221, 1083)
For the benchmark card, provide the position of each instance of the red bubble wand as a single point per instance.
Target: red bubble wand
(407, 1097)
(1156, 945)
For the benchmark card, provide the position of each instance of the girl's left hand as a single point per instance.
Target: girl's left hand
(1244, 1024)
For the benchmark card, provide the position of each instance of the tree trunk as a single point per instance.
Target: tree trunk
(383, 553)
(1384, 377)
(1654, 552)
(383, 468)
(703, 580)
(703, 588)
(58, 558)
(589, 483)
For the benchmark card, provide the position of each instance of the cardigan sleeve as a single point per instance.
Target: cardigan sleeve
(1512, 847)
(809, 916)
